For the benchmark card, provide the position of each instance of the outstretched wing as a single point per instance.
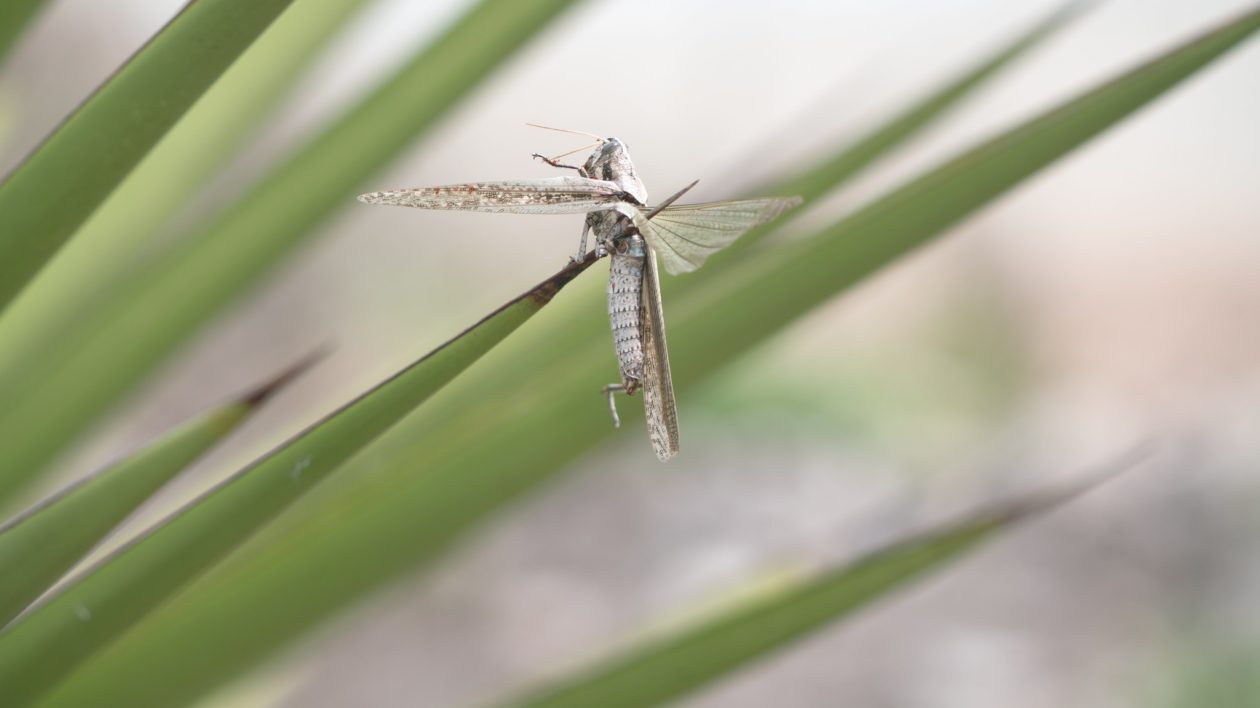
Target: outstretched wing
(686, 235)
(549, 195)
(658, 385)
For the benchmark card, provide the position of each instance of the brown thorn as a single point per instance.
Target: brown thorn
(542, 293)
(262, 393)
(1061, 492)
(661, 207)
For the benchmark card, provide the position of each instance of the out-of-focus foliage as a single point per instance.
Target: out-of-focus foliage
(678, 664)
(52, 640)
(37, 548)
(14, 16)
(131, 327)
(170, 175)
(57, 187)
(417, 481)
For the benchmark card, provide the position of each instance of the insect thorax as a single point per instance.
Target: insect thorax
(611, 163)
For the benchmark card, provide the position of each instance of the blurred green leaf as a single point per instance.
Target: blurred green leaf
(132, 328)
(54, 191)
(15, 15)
(49, 642)
(181, 163)
(674, 665)
(39, 546)
(1213, 674)
(824, 177)
(433, 481)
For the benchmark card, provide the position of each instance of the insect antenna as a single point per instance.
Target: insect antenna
(581, 149)
(566, 130)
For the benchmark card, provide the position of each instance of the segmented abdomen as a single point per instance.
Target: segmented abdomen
(625, 288)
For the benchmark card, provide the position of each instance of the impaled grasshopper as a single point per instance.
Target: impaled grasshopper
(634, 235)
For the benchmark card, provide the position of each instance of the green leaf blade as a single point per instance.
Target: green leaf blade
(15, 15)
(58, 187)
(181, 163)
(686, 661)
(407, 519)
(805, 275)
(48, 643)
(40, 545)
(134, 327)
(897, 131)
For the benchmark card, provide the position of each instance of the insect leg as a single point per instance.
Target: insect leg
(555, 162)
(581, 253)
(628, 387)
(611, 390)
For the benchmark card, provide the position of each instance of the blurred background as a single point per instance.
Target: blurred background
(1110, 300)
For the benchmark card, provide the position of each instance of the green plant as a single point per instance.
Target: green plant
(51, 537)
(411, 479)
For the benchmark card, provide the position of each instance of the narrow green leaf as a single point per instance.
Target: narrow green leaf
(824, 177)
(675, 665)
(59, 185)
(49, 642)
(495, 451)
(131, 329)
(804, 275)
(39, 546)
(181, 163)
(15, 15)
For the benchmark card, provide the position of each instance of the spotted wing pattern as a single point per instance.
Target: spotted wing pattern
(552, 195)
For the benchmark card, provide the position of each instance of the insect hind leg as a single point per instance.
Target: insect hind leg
(611, 390)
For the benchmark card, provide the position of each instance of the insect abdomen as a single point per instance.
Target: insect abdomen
(625, 287)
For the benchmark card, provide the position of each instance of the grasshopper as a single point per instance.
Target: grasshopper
(634, 236)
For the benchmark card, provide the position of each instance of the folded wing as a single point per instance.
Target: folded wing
(551, 195)
(658, 384)
(686, 235)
